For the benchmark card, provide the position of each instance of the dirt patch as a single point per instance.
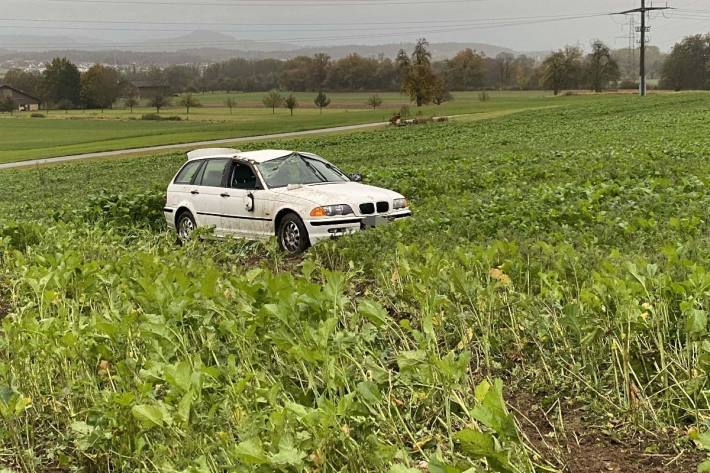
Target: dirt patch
(566, 439)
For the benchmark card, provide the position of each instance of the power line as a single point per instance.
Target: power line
(643, 29)
(270, 3)
(411, 30)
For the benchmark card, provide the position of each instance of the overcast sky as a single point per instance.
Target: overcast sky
(523, 25)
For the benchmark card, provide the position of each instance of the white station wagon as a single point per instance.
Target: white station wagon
(299, 197)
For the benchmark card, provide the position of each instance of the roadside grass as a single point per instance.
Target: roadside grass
(564, 251)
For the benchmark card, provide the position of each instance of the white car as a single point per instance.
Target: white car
(299, 197)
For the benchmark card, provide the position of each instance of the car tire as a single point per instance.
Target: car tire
(185, 224)
(292, 234)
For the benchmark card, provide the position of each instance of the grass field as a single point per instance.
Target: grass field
(83, 131)
(546, 309)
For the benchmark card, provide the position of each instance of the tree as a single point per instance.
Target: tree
(188, 101)
(562, 69)
(321, 101)
(273, 99)
(100, 87)
(8, 105)
(688, 65)
(420, 82)
(505, 69)
(600, 67)
(230, 103)
(159, 101)
(374, 101)
(465, 70)
(131, 100)
(291, 103)
(29, 82)
(62, 82)
(441, 93)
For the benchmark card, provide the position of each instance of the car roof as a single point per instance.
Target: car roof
(212, 153)
(253, 156)
(263, 155)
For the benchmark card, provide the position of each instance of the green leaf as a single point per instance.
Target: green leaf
(179, 375)
(492, 413)
(437, 465)
(403, 469)
(288, 455)
(373, 312)
(696, 322)
(184, 407)
(704, 467)
(148, 416)
(369, 392)
(482, 445)
(251, 452)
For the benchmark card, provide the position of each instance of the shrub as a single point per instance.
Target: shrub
(155, 116)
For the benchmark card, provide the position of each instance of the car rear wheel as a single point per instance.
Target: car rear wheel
(292, 234)
(185, 225)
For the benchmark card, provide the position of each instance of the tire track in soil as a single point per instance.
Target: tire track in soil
(585, 448)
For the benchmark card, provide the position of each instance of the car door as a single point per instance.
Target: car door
(207, 193)
(246, 211)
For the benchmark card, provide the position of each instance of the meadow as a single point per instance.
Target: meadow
(544, 310)
(62, 133)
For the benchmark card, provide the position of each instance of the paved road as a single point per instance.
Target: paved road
(150, 149)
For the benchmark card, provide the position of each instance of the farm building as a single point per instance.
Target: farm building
(149, 88)
(24, 101)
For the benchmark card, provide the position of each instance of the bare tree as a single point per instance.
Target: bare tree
(159, 101)
(273, 99)
(291, 103)
(230, 103)
(188, 101)
(374, 101)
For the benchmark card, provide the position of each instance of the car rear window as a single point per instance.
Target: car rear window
(188, 173)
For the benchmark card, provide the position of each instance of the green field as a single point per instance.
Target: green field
(546, 309)
(84, 131)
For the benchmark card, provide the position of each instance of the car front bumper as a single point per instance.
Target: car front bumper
(324, 229)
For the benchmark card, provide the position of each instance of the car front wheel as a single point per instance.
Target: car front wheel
(292, 234)
(185, 225)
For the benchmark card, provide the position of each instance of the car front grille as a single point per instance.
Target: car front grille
(367, 209)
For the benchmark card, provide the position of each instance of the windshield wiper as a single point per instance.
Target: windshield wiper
(315, 171)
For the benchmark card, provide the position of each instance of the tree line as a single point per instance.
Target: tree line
(62, 85)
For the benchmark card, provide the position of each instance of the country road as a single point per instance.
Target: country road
(150, 149)
(291, 134)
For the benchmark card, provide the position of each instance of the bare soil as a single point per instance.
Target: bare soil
(566, 439)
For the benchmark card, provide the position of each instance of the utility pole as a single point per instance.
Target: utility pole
(643, 30)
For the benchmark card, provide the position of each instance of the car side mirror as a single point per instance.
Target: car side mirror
(355, 177)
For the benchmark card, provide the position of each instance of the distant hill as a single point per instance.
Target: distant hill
(200, 47)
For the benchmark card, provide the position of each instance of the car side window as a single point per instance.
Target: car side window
(213, 172)
(188, 173)
(243, 177)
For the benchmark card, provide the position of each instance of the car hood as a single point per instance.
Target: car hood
(351, 193)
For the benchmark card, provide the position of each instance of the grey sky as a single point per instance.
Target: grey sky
(344, 22)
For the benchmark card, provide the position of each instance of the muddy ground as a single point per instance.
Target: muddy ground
(568, 438)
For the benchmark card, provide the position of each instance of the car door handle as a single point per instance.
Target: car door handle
(195, 192)
(224, 195)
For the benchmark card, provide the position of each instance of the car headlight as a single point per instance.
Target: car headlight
(331, 210)
(400, 204)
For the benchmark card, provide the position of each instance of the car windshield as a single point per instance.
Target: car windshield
(298, 169)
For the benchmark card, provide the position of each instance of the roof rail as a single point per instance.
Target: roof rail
(212, 153)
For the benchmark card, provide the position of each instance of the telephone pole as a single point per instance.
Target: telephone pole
(643, 30)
